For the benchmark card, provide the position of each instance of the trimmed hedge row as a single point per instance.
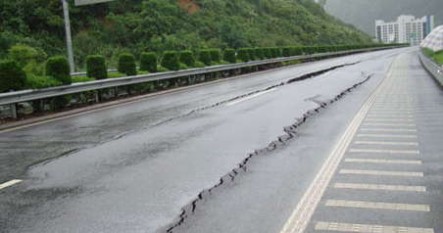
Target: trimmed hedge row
(12, 76)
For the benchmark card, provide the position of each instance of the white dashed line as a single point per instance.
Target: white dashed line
(378, 119)
(390, 125)
(363, 228)
(380, 173)
(388, 130)
(9, 183)
(384, 161)
(250, 97)
(378, 205)
(387, 136)
(384, 143)
(390, 116)
(383, 187)
(376, 151)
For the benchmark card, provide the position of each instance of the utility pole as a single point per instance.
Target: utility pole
(68, 36)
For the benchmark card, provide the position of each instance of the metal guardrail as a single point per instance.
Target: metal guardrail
(433, 68)
(29, 95)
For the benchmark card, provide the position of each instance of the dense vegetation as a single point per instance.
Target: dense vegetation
(159, 35)
(138, 26)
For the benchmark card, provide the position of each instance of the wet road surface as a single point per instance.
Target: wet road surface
(131, 169)
(388, 178)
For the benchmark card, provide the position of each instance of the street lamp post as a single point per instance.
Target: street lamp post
(68, 36)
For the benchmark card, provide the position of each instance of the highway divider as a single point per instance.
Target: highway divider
(433, 68)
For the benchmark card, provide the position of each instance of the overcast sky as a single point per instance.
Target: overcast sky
(363, 13)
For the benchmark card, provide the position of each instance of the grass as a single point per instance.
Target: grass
(38, 82)
(438, 57)
(81, 79)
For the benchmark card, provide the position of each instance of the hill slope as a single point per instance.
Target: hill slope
(158, 25)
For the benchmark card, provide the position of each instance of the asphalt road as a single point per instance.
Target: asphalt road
(133, 167)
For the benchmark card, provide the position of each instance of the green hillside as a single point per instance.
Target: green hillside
(157, 25)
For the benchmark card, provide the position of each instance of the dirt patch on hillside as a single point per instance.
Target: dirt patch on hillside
(189, 6)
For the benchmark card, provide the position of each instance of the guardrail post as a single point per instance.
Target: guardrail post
(14, 111)
(97, 96)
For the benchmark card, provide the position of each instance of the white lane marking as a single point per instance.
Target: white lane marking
(250, 97)
(391, 116)
(387, 130)
(384, 143)
(376, 151)
(384, 187)
(390, 125)
(364, 228)
(384, 161)
(387, 136)
(378, 205)
(381, 151)
(383, 120)
(9, 183)
(380, 173)
(304, 210)
(397, 111)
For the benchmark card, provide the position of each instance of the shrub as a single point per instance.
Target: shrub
(170, 60)
(126, 64)
(187, 58)
(243, 55)
(22, 54)
(296, 51)
(58, 68)
(286, 52)
(205, 57)
(38, 82)
(35, 68)
(96, 67)
(267, 52)
(251, 53)
(229, 56)
(276, 52)
(215, 55)
(12, 77)
(309, 49)
(259, 53)
(322, 49)
(148, 62)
